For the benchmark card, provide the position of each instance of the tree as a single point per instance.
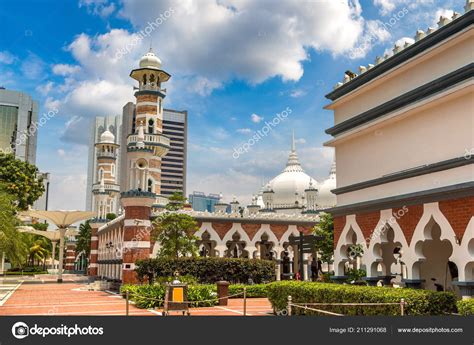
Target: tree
(175, 233)
(176, 202)
(21, 179)
(325, 229)
(84, 238)
(11, 241)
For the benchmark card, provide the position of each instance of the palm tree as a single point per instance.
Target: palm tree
(84, 239)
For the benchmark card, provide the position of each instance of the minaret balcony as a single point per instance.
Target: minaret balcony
(108, 188)
(158, 142)
(105, 154)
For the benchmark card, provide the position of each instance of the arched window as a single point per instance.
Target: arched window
(101, 174)
(150, 185)
(151, 127)
(112, 172)
(144, 79)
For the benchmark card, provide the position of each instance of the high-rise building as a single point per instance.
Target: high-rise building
(202, 202)
(43, 200)
(173, 164)
(18, 112)
(101, 125)
(173, 167)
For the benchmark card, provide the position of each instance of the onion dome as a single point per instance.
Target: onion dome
(150, 60)
(107, 138)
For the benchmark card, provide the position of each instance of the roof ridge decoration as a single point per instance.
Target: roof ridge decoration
(420, 35)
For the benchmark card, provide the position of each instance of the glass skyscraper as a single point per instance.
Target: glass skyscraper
(17, 114)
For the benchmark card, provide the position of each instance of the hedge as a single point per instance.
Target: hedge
(208, 270)
(253, 291)
(418, 302)
(466, 307)
(151, 296)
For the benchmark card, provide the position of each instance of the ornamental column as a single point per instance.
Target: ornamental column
(136, 231)
(70, 254)
(95, 224)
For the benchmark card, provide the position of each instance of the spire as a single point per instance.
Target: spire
(293, 163)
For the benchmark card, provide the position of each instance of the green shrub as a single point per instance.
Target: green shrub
(152, 296)
(253, 291)
(466, 307)
(208, 270)
(418, 302)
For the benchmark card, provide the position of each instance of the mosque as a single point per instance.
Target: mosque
(287, 205)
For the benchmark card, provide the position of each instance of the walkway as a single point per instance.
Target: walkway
(42, 296)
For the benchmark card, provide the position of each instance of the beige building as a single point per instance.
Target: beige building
(403, 135)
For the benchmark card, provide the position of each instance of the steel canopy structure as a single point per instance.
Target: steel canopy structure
(63, 220)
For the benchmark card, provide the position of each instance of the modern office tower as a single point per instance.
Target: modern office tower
(173, 166)
(113, 125)
(43, 201)
(18, 116)
(202, 202)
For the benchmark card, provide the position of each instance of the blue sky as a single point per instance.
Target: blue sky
(234, 64)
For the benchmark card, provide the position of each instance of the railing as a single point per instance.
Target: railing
(108, 187)
(311, 306)
(149, 87)
(195, 304)
(150, 139)
(106, 154)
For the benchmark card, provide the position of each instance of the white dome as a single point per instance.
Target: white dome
(286, 185)
(325, 198)
(289, 186)
(150, 60)
(107, 137)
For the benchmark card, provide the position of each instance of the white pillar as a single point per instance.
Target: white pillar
(62, 232)
(54, 254)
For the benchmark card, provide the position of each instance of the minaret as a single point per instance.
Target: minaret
(147, 144)
(145, 147)
(311, 196)
(106, 189)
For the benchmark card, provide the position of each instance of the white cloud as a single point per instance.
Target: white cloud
(6, 57)
(65, 69)
(300, 141)
(33, 67)
(61, 152)
(442, 12)
(399, 42)
(297, 93)
(249, 40)
(387, 7)
(45, 89)
(256, 118)
(244, 130)
(101, 8)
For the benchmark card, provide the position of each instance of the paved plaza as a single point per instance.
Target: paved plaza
(43, 296)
